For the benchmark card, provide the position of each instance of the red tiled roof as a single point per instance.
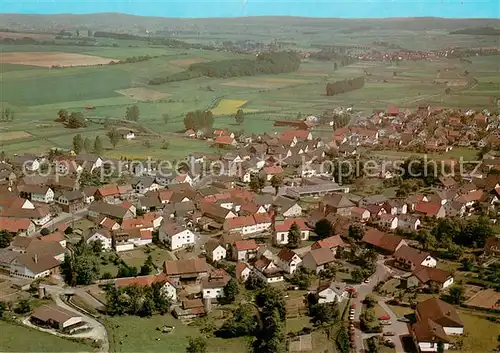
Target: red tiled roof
(273, 170)
(242, 245)
(382, 240)
(330, 242)
(55, 237)
(240, 267)
(108, 190)
(358, 210)
(287, 223)
(427, 208)
(142, 281)
(225, 140)
(14, 225)
(261, 218)
(239, 222)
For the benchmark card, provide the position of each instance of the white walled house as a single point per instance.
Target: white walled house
(176, 236)
(331, 294)
(215, 251)
(213, 286)
(388, 221)
(281, 230)
(409, 258)
(244, 250)
(268, 271)
(242, 272)
(104, 236)
(37, 193)
(288, 261)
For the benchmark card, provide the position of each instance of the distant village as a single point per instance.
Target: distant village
(273, 213)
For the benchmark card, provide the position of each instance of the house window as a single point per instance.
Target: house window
(208, 292)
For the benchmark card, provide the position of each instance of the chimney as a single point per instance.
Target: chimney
(35, 258)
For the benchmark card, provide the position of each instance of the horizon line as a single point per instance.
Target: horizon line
(248, 17)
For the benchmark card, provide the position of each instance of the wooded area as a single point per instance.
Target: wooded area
(343, 86)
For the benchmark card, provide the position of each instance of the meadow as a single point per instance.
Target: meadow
(36, 93)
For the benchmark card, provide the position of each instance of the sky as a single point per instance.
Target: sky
(238, 8)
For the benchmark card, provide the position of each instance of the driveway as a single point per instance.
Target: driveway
(63, 218)
(98, 331)
(399, 328)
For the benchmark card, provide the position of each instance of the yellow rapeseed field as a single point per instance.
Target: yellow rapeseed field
(230, 106)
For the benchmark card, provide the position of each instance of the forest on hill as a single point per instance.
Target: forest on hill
(265, 63)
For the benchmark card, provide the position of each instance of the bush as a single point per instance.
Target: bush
(45, 231)
(68, 231)
(106, 275)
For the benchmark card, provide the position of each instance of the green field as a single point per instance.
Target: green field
(134, 334)
(36, 94)
(15, 338)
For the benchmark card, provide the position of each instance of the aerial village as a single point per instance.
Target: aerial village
(400, 258)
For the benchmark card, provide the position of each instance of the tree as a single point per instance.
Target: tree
(325, 313)
(97, 146)
(239, 116)
(277, 182)
(302, 278)
(44, 231)
(132, 113)
(254, 282)
(257, 183)
(96, 247)
(197, 345)
(356, 231)
(231, 290)
(440, 347)
(77, 143)
(373, 344)
(294, 237)
(23, 306)
(147, 267)
(76, 120)
(2, 309)
(89, 33)
(77, 33)
(5, 239)
(165, 118)
(271, 339)
(87, 145)
(370, 301)
(243, 323)
(426, 239)
(62, 115)
(199, 119)
(457, 295)
(114, 137)
(342, 340)
(323, 228)
(357, 276)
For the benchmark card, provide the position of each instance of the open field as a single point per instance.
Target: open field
(269, 83)
(230, 106)
(15, 338)
(480, 334)
(187, 62)
(53, 59)
(134, 334)
(143, 94)
(13, 135)
(18, 35)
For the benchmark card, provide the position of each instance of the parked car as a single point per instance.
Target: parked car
(385, 322)
(389, 333)
(351, 317)
(403, 319)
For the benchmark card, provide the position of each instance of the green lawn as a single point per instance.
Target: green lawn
(15, 338)
(134, 334)
(480, 334)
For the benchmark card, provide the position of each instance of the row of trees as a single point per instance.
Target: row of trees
(199, 119)
(132, 113)
(265, 63)
(334, 88)
(136, 300)
(72, 120)
(7, 115)
(81, 266)
(469, 233)
(81, 145)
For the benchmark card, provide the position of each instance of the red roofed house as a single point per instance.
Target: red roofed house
(263, 221)
(168, 289)
(360, 214)
(242, 271)
(288, 261)
(244, 250)
(17, 226)
(281, 230)
(383, 241)
(332, 243)
(318, 260)
(107, 192)
(430, 209)
(393, 111)
(243, 224)
(271, 171)
(225, 141)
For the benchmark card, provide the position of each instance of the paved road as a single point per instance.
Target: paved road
(399, 328)
(98, 331)
(381, 273)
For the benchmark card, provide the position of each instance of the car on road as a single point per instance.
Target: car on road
(389, 333)
(366, 280)
(403, 319)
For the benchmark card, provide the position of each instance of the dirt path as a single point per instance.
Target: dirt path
(98, 331)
